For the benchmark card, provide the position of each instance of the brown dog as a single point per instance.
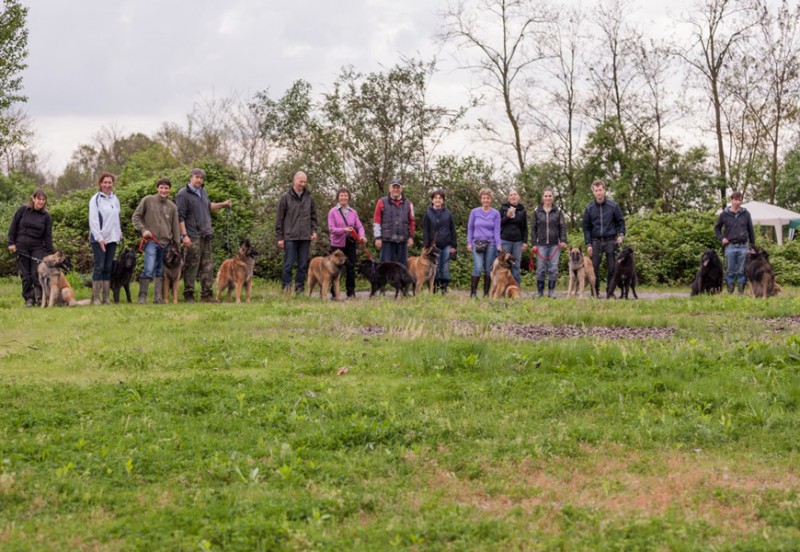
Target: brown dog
(55, 287)
(759, 274)
(581, 273)
(237, 272)
(503, 282)
(324, 271)
(173, 272)
(423, 268)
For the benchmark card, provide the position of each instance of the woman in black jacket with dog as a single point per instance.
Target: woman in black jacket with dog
(439, 228)
(30, 236)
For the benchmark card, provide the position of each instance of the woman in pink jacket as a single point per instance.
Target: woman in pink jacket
(343, 222)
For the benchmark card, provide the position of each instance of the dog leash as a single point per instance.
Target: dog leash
(363, 247)
(556, 251)
(230, 228)
(31, 257)
(145, 240)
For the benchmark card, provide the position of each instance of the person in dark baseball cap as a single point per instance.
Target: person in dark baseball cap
(393, 224)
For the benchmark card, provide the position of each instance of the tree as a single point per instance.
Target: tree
(506, 36)
(13, 51)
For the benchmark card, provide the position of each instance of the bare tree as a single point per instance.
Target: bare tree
(504, 37)
(716, 26)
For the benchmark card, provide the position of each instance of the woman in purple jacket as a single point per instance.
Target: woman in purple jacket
(483, 241)
(342, 221)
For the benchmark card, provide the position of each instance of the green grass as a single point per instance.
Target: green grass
(224, 427)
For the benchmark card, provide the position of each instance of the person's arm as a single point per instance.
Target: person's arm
(497, 240)
(176, 228)
(718, 228)
(12, 229)
(280, 215)
(94, 219)
(376, 223)
(411, 222)
(454, 236)
(524, 230)
(313, 218)
(620, 223)
(751, 234)
(182, 205)
(220, 205)
(138, 216)
(334, 224)
(362, 233)
(562, 230)
(470, 229)
(48, 234)
(587, 227)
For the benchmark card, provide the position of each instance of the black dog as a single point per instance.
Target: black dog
(380, 274)
(709, 275)
(122, 272)
(624, 275)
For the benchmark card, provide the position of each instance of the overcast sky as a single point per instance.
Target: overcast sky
(137, 63)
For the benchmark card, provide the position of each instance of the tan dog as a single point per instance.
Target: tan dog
(173, 272)
(759, 273)
(324, 271)
(581, 273)
(237, 272)
(55, 287)
(423, 268)
(503, 282)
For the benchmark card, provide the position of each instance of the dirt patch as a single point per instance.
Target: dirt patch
(723, 493)
(372, 329)
(536, 332)
(780, 324)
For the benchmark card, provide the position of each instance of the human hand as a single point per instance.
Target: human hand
(378, 243)
(102, 245)
(469, 248)
(524, 246)
(619, 240)
(147, 235)
(589, 250)
(725, 241)
(562, 245)
(281, 244)
(187, 241)
(313, 236)
(363, 240)
(228, 204)
(12, 248)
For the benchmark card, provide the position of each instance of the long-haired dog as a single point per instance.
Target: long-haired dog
(394, 274)
(759, 274)
(581, 273)
(326, 271)
(121, 273)
(237, 272)
(173, 272)
(624, 274)
(503, 282)
(423, 268)
(55, 287)
(710, 274)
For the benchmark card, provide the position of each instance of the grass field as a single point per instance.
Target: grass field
(668, 424)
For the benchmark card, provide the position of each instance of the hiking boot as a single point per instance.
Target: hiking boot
(97, 292)
(740, 288)
(487, 284)
(188, 298)
(473, 290)
(158, 286)
(443, 286)
(551, 290)
(540, 288)
(28, 302)
(106, 290)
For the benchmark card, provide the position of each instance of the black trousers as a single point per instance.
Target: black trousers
(599, 247)
(27, 271)
(350, 251)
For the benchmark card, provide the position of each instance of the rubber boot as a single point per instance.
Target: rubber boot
(106, 289)
(540, 288)
(487, 284)
(436, 285)
(740, 288)
(730, 287)
(551, 289)
(97, 292)
(144, 284)
(158, 286)
(443, 286)
(473, 290)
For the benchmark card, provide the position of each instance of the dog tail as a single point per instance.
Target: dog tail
(82, 303)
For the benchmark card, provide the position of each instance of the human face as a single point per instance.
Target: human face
(163, 191)
(437, 201)
(735, 204)
(39, 202)
(197, 180)
(513, 198)
(486, 202)
(106, 185)
(344, 199)
(599, 193)
(547, 199)
(299, 183)
(396, 191)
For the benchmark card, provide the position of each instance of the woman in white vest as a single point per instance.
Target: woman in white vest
(104, 234)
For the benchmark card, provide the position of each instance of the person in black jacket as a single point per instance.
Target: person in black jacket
(603, 231)
(737, 239)
(549, 238)
(514, 230)
(30, 236)
(439, 228)
(295, 229)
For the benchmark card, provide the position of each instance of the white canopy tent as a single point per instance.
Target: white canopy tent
(765, 214)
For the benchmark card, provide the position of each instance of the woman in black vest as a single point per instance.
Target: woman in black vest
(30, 236)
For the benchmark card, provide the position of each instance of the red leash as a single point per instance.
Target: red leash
(556, 251)
(354, 234)
(145, 240)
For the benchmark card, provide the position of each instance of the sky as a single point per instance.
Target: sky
(135, 64)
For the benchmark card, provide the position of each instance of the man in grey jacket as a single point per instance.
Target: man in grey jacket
(737, 238)
(296, 228)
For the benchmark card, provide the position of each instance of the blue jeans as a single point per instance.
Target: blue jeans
(482, 262)
(153, 260)
(734, 262)
(515, 248)
(103, 260)
(295, 251)
(395, 251)
(547, 266)
(443, 268)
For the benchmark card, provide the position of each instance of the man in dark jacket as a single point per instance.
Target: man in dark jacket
(737, 238)
(296, 228)
(194, 216)
(393, 225)
(603, 231)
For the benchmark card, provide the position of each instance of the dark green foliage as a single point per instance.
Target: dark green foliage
(13, 51)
